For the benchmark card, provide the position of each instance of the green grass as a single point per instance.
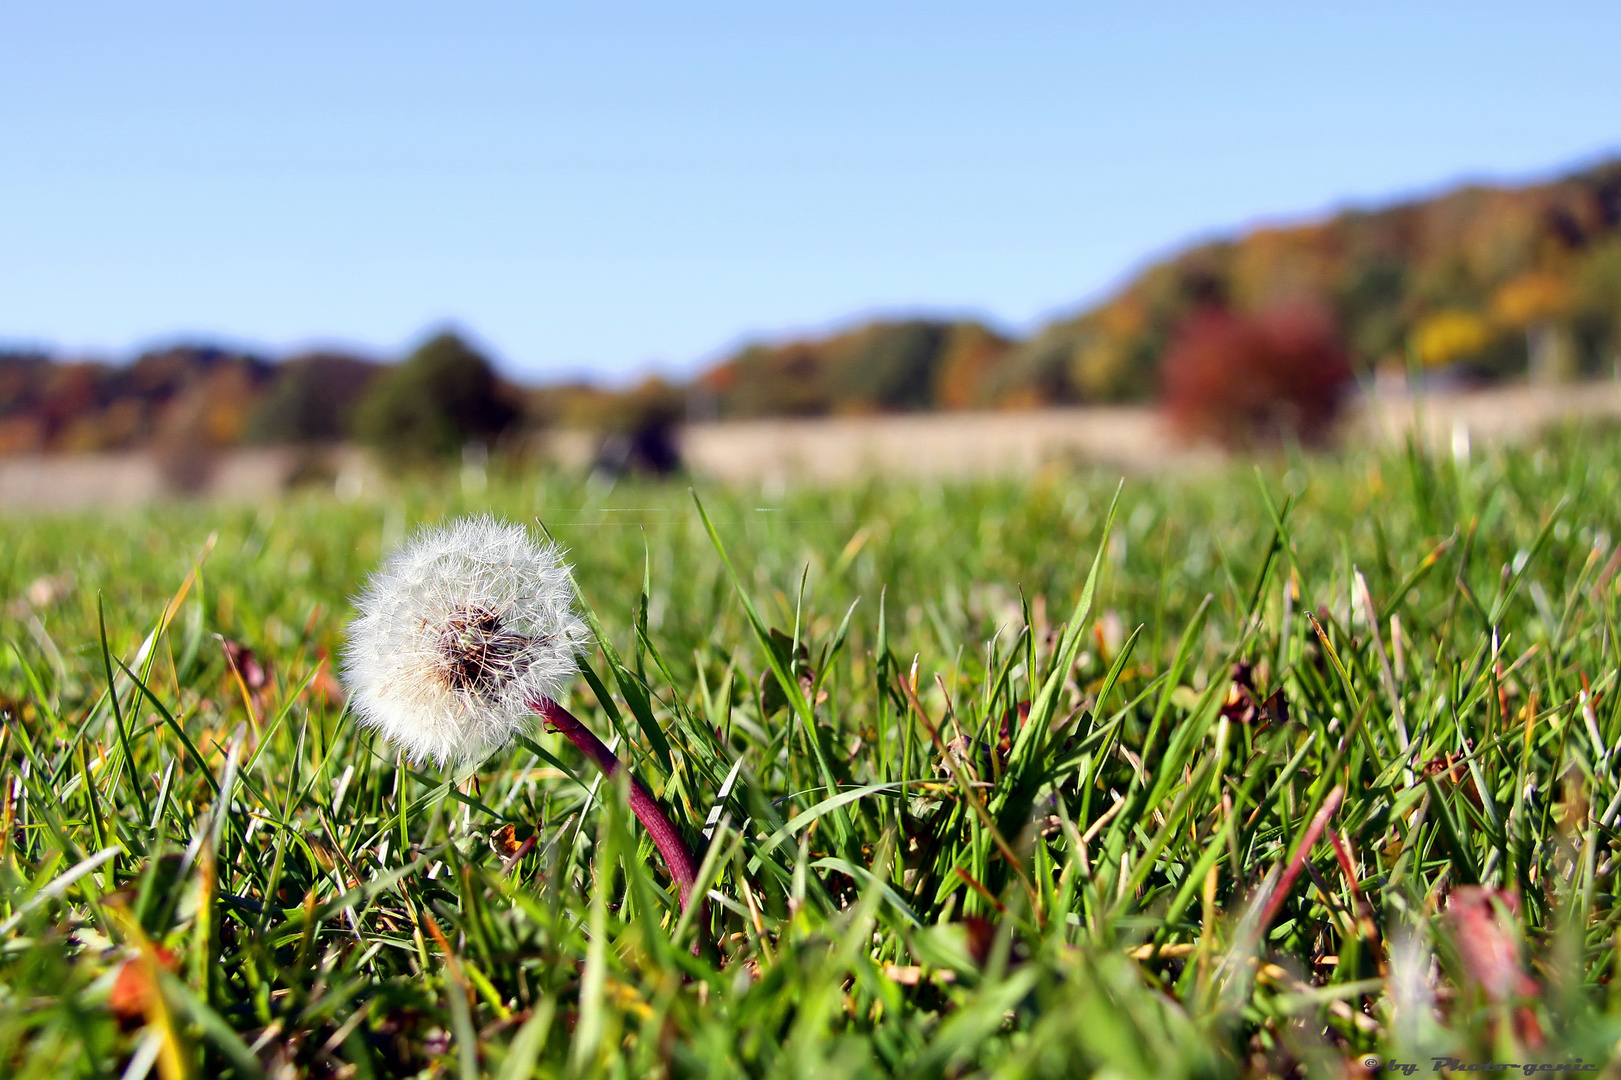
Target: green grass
(985, 800)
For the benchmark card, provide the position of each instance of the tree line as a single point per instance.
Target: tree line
(1248, 338)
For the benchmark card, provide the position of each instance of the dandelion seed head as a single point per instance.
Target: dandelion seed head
(459, 631)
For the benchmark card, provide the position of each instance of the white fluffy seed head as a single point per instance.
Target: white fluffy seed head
(459, 633)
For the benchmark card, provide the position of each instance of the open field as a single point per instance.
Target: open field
(1132, 438)
(832, 450)
(1276, 770)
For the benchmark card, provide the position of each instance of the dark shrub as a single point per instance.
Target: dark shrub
(1244, 380)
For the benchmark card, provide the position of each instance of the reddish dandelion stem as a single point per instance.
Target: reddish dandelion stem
(666, 837)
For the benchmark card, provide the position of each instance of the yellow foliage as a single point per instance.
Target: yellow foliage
(1098, 365)
(1450, 335)
(1529, 298)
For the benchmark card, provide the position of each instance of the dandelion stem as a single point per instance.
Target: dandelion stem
(666, 837)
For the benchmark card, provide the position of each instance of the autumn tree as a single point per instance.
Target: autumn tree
(1248, 379)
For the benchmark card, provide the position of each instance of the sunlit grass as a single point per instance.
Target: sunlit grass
(981, 785)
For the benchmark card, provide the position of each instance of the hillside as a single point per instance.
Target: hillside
(1484, 282)
(1495, 279)
(1488, 281)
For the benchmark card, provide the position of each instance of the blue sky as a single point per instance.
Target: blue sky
(619, 187)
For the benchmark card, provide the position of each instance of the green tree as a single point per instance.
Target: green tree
(440, 398)
(313, 399)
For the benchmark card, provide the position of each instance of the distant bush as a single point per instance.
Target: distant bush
(1450, 334)
(313, 399)
(1245, 380)
(440, 398)
(903, 366)
(1596, 306)
(640, 433)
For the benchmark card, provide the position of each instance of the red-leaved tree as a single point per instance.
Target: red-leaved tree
(1253, 379)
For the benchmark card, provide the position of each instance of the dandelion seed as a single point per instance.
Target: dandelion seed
(460, 632)
(465, 634)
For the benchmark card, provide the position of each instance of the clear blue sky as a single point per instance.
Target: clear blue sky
(613, 187)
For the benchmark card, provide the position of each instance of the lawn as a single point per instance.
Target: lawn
(1287, 767)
